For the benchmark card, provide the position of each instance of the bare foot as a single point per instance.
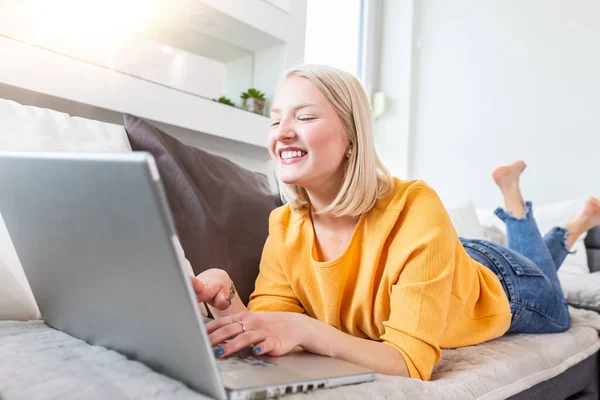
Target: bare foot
(583, 222)
(507, 179)
(591, 211)
(506, 176)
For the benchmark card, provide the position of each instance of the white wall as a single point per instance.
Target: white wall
(336, 47)
(239, 78)
(268, 71)
(493, 82)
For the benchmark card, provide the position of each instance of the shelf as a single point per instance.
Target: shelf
(86, 83)
(223, 30)
(159, 59)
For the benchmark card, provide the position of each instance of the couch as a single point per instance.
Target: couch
(40, 362)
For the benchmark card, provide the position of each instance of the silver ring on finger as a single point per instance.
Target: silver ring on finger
(242, 325)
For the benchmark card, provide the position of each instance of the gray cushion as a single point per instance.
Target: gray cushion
(594, 259)
(593, 238)
(592, 242)
(221, 210)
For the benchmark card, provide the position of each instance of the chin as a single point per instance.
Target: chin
(291, 179)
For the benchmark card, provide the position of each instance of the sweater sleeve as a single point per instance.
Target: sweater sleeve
(272, 290)
(421, 296)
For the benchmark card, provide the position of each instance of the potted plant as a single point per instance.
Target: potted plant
(254, 100)
(225, 100)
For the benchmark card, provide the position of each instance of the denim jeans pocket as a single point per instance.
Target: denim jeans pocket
(483, 255)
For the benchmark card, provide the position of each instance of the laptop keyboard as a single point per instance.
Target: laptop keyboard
(241, 360)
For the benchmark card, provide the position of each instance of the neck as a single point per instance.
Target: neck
(327, 219)
(320, 198)
(323, 194)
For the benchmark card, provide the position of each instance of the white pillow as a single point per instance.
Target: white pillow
(548, 216)
(465, 220)
(582, 291)
(26, 128)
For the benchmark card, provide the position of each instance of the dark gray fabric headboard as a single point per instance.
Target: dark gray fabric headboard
(592, 242)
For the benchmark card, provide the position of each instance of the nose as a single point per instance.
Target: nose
(285, 131)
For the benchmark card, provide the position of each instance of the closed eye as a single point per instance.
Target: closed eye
(306, 118)
(274, 123)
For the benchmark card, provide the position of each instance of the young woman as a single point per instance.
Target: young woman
(368, 268)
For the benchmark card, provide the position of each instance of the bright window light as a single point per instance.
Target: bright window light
(333, 33)
(94, 22)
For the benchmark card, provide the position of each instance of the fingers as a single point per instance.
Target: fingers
(226, 332)
(241, 341)
(218, 323)
(242, 330)
(229, 319)
(214, 294)
(267, 346)
(200, 289)
(220, 301)
(197, 284)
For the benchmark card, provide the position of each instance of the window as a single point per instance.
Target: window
(333, 33)
(345, 34)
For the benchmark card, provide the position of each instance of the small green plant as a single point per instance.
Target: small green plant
(253, 94)
(225, 100)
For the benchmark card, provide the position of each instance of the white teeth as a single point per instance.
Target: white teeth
(292, 154)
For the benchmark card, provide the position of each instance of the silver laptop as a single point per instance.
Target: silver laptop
(97, 242)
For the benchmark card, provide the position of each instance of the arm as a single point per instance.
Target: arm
(421, 295)
(278, 333)
(272, 289)
(321, 338)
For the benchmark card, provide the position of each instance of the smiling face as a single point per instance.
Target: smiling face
(307, 139)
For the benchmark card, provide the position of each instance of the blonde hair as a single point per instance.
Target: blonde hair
(365, 178)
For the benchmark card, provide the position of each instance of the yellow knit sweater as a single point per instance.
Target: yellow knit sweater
(404, 279)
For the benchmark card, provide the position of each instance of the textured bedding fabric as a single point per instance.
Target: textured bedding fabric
(39, 362)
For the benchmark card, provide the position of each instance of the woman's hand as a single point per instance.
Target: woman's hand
(278, 333)
(214, 287)
(272, 333)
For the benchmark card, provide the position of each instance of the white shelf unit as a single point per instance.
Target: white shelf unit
(93, 85)
(238, 41)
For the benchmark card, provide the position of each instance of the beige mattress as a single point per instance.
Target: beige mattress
(494, 370)
(39, 362)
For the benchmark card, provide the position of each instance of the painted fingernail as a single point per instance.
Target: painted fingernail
(218, 351)
(257, 350)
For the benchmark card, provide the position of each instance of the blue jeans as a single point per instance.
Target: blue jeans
(527, 271)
